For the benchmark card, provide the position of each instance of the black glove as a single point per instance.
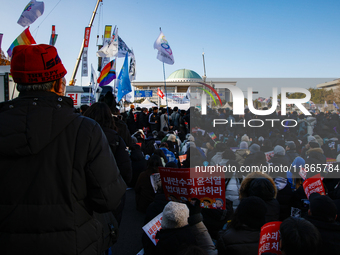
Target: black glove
(195, 215)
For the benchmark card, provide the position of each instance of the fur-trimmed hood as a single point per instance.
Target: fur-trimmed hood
(262, 185)
(319, 150)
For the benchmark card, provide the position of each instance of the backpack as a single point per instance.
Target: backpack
(110, 229)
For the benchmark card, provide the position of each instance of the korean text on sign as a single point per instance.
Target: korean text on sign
(179, 187)
(270, 238)
(313, 185)
(152, 227)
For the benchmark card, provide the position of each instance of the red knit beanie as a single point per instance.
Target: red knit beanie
(33, 64)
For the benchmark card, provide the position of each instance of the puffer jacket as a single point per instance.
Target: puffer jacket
(120, 152)
(234, 242)
(262, 185)
(56, 170)
(241, 156)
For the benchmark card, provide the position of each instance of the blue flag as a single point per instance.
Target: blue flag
(124, 84)
(335, 105)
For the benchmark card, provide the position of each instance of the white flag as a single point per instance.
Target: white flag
(123, 48)
(110, 49)
(94, 84)
(326, 105)
(164, 51)
(187, 96)
(31, 12)
(132, 68)
(130, 97)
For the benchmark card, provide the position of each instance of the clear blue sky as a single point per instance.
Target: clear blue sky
(248, 38)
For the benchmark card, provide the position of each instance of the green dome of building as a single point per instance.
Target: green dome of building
(184, 75)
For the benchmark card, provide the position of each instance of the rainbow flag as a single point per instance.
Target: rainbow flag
(25, 38)
(107, 74)
(212, 135)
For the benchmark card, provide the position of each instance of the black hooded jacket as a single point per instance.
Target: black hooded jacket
(56, 169)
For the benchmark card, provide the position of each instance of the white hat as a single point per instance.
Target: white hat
(175, 215)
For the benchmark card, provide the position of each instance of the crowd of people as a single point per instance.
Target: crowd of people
(64, 174)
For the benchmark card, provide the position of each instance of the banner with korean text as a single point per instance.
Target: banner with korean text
(270, 238)
(84, 69)
(314, 185)
(179, 186)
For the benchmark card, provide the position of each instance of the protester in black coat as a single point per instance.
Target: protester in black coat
(291, 153)
(100, 112)
(298, 237)
(139, 164)
(262, 185)
(56, 166)
(145, 193)
(284, 196)
(243, 232)
(322, 214)
(279, 158)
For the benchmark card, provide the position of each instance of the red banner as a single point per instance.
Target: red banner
(314, 185)
(152, 227)
(160, 93)
(87, 36)
(84, 70)
(270, 238)
(178, 186)
(53, 31)
(269, 155)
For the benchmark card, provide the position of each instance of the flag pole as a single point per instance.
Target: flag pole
(90, 93)
(166, 97)
(73, 81)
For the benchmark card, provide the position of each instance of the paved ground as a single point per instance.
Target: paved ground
(130, 235)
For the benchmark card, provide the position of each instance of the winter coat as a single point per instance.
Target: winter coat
(154, 121)
(172, 241)
(330, 235)
(138, 162)
(284, 195)
(291, 155)
(279, 160)
(142, 120)
(241, 156)
(164, 121)
(311, 122)
(145, 193)
(314, 156)
(217, 158)
(215, 219)
(56, 169)
(120, 153)
(123, 131)
(235, 242)
(249, 160)
(262, 185)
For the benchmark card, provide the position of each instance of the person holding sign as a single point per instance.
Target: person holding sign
(322, 214)
(297, 237)
(182, 226)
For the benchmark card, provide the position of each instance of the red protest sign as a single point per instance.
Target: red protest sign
(269, 155)
(303, 173)
(270, 238)
(182, 158)
(152, 228)
(178, 186)
(314, 185)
